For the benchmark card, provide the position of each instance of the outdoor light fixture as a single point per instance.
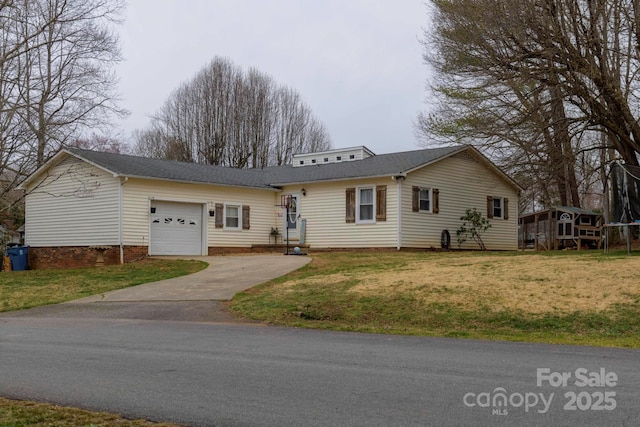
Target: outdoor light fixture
(304, 192)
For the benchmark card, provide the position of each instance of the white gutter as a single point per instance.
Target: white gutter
(399, 180)
(120, 226)
(347, 178)
(518, 231)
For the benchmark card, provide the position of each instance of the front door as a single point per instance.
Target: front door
(291, 218)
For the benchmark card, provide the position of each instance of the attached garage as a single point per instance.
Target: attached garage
(176, 228)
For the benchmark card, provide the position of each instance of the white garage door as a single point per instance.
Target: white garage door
(176, 229)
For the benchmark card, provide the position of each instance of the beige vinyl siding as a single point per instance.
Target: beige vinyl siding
(324, 208)
(75, 204)
(464, 183)
(137, 195)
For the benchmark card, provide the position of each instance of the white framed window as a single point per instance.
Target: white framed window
(424, 200)
(366, 205)
(232, 217)
(498, 207)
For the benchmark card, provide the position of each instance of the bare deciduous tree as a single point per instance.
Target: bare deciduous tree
(533, 80)
(101, 143)
(67, 84)
(56, 79)
(224, 116)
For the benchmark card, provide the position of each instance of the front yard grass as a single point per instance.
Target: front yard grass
(31, 288)
(18, 413)
(585, 298)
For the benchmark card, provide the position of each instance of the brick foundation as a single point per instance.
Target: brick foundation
(71, 257)
(213, 251)
(255, 249)
(81, 256)
(382, 249)
(227, 251)
(134, 253)
(84, 256)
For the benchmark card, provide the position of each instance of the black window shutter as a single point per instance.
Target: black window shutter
(505, 208)
(351, 205)
(219, 215)
(246, 224)
(381, 203)
(489, 207)
(415, 205)
(436, 201)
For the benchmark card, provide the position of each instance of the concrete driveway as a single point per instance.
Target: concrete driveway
(220, 281)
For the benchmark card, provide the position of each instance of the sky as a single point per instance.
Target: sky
(357, 63)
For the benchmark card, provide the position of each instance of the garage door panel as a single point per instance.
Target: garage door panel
(176, 229)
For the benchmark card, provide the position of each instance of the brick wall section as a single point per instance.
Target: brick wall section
(83, 256)
(80, 256)
(213, 251)
(70, 257)
(225, 251)
(135, 253)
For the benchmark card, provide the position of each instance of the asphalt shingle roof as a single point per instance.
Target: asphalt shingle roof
(144, 167)
(379, 165)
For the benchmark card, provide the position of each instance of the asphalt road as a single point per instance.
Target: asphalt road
(223, 374)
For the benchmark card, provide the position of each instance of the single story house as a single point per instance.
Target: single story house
(83, 205)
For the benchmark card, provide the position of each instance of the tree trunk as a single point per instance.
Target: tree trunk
(565, 170)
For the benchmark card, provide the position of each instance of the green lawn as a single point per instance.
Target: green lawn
(584, 298)
(31, 288)
(18, 413)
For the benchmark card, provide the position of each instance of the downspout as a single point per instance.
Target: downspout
(120, 226)
(519, 224)
(399, 180)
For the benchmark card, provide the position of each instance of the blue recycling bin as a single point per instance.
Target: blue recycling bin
(19, 256)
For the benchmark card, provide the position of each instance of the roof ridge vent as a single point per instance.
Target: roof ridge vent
(332, 156)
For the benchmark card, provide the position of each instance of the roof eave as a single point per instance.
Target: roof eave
(437, 159)
(496, 169)
(24, 184)
(56, 159)
(217, 184)
(351, 178)
(92, 163)
(480, 157)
